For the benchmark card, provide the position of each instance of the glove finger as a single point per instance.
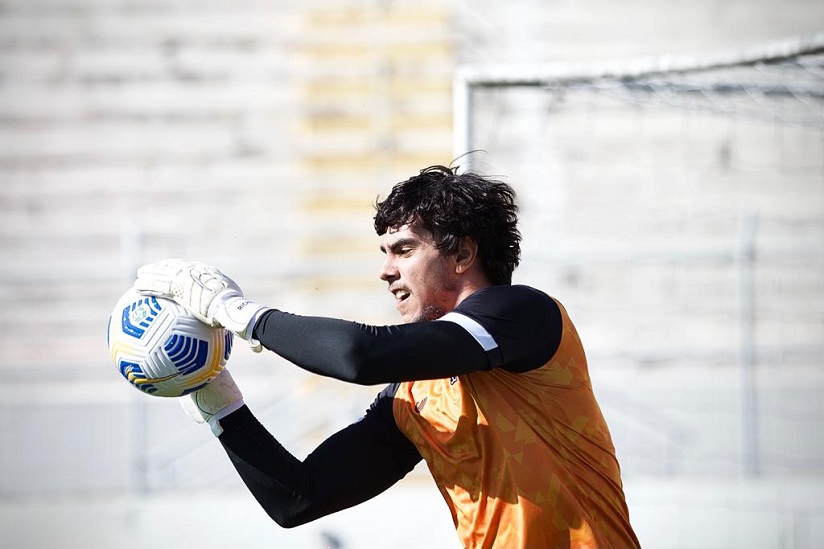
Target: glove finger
(153, 285)
(211, 277)
(164, 267)
(159, 278)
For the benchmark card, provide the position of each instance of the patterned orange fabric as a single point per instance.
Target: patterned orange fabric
(523, 460)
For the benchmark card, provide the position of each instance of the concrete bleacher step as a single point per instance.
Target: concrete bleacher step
(381, 78)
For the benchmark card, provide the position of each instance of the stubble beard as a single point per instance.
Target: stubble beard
(430, 312)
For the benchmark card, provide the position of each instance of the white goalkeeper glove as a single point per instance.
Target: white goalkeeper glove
(204, 291)
(214, 402)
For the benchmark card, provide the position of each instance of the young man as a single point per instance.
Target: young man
(488, 382)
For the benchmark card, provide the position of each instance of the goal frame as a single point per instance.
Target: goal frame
(469, 78)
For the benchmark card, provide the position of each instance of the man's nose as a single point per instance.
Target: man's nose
(388, 271)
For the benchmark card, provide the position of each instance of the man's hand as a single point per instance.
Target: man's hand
(212, 403)
(192, 284)
(204, 291)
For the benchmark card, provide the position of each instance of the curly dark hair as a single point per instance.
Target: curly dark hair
(453, 206)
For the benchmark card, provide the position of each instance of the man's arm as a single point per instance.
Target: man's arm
(370, 355)
(517, 329)
(350, 467)
(512, 327)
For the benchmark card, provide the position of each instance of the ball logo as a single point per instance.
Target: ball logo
(138, 316)
(140, 313)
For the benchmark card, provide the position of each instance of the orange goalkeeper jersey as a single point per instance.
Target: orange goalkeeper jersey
(524, 460)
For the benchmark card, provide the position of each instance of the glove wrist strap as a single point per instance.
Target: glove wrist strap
(214, 421)
(236, 313)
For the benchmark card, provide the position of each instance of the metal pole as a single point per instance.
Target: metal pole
(462, 119)
(749, 384)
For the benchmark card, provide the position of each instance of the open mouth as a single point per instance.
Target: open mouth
(400, 295)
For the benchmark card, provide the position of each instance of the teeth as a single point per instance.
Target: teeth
(400, 294)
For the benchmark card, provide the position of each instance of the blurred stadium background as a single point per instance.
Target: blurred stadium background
(679, 214)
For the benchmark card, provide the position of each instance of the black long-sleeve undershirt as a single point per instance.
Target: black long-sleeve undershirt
(370, 355)
(350, 467)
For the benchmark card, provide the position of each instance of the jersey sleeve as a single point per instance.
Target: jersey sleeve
(522, 328)
(518, 326)
(350, 467)
(370, 355)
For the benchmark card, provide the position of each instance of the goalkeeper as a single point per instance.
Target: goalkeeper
(485, 380)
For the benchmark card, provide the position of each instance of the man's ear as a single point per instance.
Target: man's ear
(466, 254)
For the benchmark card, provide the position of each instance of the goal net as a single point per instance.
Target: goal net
(676, 206)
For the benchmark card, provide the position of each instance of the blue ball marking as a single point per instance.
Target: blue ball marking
(193, 389)
(187, 353)
(134, 374)
(227, 347)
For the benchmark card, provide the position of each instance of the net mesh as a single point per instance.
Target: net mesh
(786, 91)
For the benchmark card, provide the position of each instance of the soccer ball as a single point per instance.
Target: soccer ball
(163, 350)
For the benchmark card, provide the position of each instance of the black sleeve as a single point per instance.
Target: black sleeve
(525, 323)
(350, 467)
(371, 355)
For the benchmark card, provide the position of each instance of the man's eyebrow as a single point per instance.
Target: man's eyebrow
(400, 243)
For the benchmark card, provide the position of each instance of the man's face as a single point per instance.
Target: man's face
(419, 276)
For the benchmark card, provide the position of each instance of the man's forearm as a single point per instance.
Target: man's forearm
(370, 355)
(350, 467)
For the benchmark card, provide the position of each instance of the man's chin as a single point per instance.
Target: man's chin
(430, 312)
